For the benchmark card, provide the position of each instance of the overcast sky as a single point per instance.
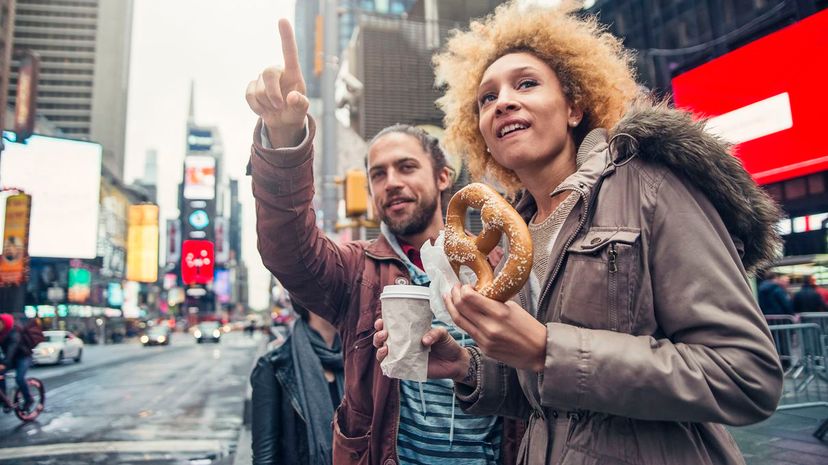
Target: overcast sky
(221, 45)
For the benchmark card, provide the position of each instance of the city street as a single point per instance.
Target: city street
(181, 403)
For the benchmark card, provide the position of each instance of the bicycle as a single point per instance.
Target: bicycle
(16, 401)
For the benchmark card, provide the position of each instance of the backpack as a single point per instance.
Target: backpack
(30, 336)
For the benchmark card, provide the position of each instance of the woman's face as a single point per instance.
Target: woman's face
(525, 118)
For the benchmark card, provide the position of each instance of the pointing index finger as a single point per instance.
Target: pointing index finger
(289, 50)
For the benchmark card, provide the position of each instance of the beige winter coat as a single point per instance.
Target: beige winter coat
(654, 338)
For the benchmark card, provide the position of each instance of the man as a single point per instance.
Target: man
(773, 295)
(807, 298)
(296, 388)
(14, 356)
(380, 420)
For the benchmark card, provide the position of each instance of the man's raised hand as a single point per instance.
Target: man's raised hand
(278, 95)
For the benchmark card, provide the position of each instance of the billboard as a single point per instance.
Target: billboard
(768, 97)
(222, 240)
(173, 241)
(80, 285)
(199, 177)
(14, 261)
(197, 262)
(63, 176)
(221, 286)
(199, 139)
(114, 294)
(130, 304)
(142, 243)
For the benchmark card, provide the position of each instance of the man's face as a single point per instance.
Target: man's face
(403, 186)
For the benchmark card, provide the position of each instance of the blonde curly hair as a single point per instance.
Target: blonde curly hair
(594, 69)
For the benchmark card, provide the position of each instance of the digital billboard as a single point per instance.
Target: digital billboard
(197, 262)
(142, 243)
(221, 286)
(14, 260)
(199, 177)
(63, 176)
(768, 97)
(199, 139)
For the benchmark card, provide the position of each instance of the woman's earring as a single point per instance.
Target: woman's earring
(574, 123)
(488, 150)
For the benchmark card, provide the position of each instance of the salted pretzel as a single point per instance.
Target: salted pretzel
(465, 249)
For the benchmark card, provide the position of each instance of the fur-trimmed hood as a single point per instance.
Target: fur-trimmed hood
(659, 134)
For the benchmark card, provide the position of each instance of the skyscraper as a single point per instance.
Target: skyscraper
(84, 50)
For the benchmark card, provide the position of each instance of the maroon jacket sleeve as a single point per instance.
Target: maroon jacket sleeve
(313, 268)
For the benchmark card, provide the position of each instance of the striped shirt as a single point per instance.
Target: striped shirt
(425, 437)
(433, 429)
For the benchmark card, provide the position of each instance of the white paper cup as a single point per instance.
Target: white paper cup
(406, 314)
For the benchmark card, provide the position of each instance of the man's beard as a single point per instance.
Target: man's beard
(414, 224)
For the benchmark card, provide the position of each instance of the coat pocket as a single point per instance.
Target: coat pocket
(351, 436)
(600, 278)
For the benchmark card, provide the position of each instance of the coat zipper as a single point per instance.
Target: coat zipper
(573, 422)
(568, 242)
(613, 287)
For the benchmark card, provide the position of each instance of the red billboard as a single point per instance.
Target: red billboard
(768, 98)
(197, 262)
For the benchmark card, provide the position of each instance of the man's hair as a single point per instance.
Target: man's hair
(429, 143)
(300, 310)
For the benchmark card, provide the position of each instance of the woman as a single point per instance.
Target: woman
(637, 336)
(296, 388)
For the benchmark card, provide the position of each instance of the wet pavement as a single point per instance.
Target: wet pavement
(125, 404)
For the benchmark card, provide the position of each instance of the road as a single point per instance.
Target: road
(128, 404)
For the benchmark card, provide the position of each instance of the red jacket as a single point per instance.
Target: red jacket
(341, 283)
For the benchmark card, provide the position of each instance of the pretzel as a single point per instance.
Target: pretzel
(466, 249)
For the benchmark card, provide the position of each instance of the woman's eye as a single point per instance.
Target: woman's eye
(527, 84)
(486, 99)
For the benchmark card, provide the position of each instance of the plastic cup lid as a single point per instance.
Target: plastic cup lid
(404, 291)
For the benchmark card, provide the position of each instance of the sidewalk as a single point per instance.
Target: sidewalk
(784, 439)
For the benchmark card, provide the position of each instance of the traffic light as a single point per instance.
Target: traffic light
(356, 193)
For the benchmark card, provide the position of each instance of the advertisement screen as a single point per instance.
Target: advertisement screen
(142, 243)
(14, 260)
(768, 97)
(221, 286)
(80, 285)
(197, 262)
(64, 178)
(199, 177)
(199, 139)
(114, 294)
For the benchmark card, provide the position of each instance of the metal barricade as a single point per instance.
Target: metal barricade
(780, 319)
(801, 347)
(819, 318)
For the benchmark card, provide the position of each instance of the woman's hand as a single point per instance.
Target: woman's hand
(446, 360)
(503, 331)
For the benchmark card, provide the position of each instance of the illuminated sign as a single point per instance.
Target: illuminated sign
(768, 97)
(80, 284)
(199, 139)
(173, 241)
(199, 177)
(114, 294)
(14, 261)
(197, 262)
(199, 219)
(142, 243)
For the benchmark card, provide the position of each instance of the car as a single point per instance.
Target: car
(207, 331)
(156, 335)
(58, 346)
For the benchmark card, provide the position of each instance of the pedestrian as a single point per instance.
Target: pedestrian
(15, 356)
(381, 420)
(296, 388)
(807, 299)
(637, 335)
(773, 295)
